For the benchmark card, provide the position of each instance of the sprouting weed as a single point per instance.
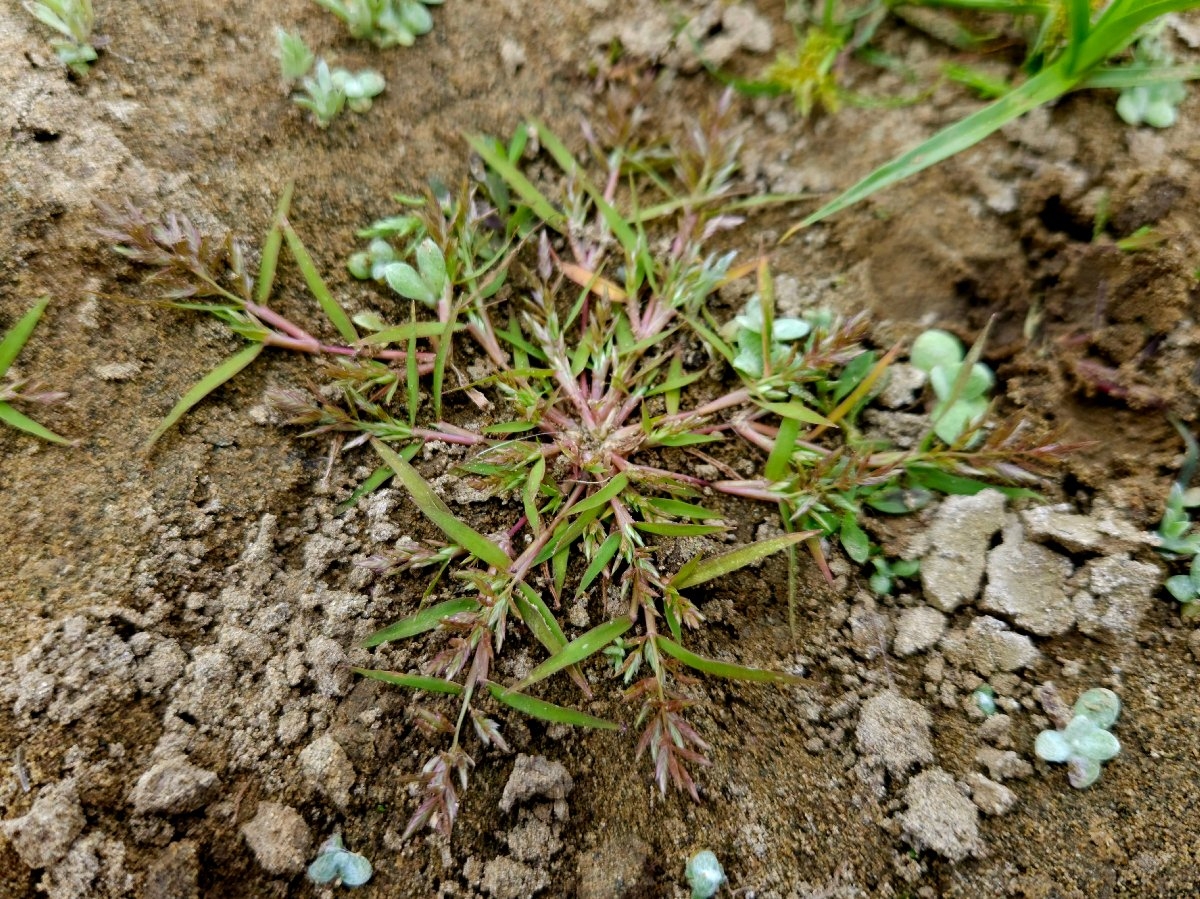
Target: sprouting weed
(385, 23)
(808, 74)
(295, 58)
(337, 864)
(15, 391)
(596, 376)
(1157, 103)
(74, 20)
(327, 92)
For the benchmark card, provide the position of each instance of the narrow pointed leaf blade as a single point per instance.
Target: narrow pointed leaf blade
(603, 556)
(548, 711)
(438, 512)
(20, 421)
(577, 650)
(541, 207)
(601, 497)
(17, 337)
(677, 529)
(723, 669)
(334, 312)
(204, 387)
(270, 253)
(718, 566)
(419, 623)
(406, 332)
(539, 619)
(412, 681)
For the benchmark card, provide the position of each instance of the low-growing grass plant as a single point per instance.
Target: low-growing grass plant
(14, 391)
(619, 424)
(73, 20)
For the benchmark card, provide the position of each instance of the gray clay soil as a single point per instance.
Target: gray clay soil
(179, 626)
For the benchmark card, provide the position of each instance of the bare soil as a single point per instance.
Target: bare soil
(201, 602)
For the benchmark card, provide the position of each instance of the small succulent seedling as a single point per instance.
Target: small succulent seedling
(336, 863)
(704, 875)
(1175, 530)
(73, 19)
(985, 699)
(1157, 103)
(753, 348)
(962, 389)
(295, 58)
(385, 23)
(10, 390)
(883, 581)
(1186, 587)
(1085, 742)
(327, 93)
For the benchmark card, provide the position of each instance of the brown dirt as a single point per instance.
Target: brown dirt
(185, 111)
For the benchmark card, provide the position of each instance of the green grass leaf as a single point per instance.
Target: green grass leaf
(435, 510)
(22, 422)
(420, 622)
(538, 618)
(548, 711)
(854, 539)
(270, 253)
(406, 332)
(603, 556)
(334, 312)
(674, 529)
(798, 411)
(698, 571)
(14, 341)
(600, 498)
(204, 387)
(412, 681)
(536, 201)
(583, 646)
(722, 669)
(377, 479)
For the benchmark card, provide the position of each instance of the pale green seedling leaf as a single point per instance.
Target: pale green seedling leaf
(412, 681)
(548, 711)
(854, 539)
(722, 669)
(271, 246)
(583, 646)
(17, 419)
(204, 387)
(541, 207)
(333, 311)
(424, 620)
(698, 571)
(432, 506)
(14, 341)
(603, 556)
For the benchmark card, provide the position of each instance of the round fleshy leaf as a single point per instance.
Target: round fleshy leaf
(704, 875)
(356, 870)
(1052, 746)
(416, 17)
(1082, 772)
(326, 867)
(979, 382)
(1182, 587)
(788, 329)
(934, 348)
(360, 266)
(1160, 114)
(951, 423)
(403, 279)
(1099, 745)
(751, 317)
(1101, 705)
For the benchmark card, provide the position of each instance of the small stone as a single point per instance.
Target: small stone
(904, 385)
(117, 371)
(989, 646)
(173, 787)
(327, 767)
(327, 666)
(534, 776)
(533, 840)
(174, 874)
(512, 55)
(43, 835)
(868, 628)
(1120, 593)
(991, 798)
(1003, 764)
(939, 817)
(614, 870)
(1080, 533)
(506, 878)
(1026, 584)
(918, 629)
(958, 541)
(996, 730)
(895, 731)
(279, 838)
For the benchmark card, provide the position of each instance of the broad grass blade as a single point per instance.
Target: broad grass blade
(204, 387)
(435, 510)
(14, 341)
(538, 618)
(698, 572)
(601, 497)
(577, 650)
(412, 681)
(334, 312)
(422, 621)
(548, 711)
(723, 669)
(23, 422)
